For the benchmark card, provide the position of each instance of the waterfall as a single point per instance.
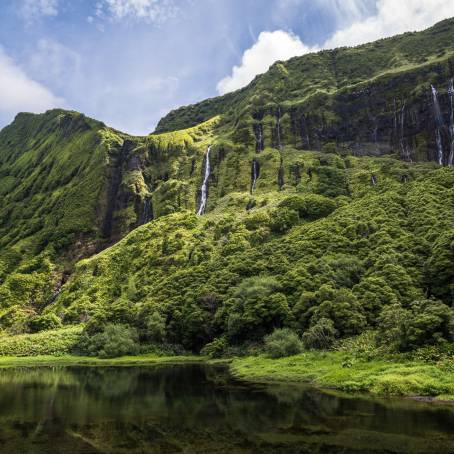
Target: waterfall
(375, 134)
(403, 145)
(437, 110)
(146, 214)
(439, 146)
(373, 180)
(259, 138)
(451, 121)
(204, 187)
(438, 123)
(280, 175)
(279, 128)
(255, 174)
(395, 115)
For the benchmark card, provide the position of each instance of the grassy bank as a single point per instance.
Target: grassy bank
(345, 370)
(336, 370)
(70, 360)
(48, 343)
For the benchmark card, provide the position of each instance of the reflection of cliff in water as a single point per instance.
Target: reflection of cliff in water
(199, 408)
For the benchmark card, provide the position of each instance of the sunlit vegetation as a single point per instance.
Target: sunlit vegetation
(318, 228)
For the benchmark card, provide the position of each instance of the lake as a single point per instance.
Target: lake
(196, 408)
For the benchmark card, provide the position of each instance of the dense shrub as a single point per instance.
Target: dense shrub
(55, 342)
(342, 307)
(332, 182)
(113, 341)
(282, 342)
(425, 322)
(257, 307)
(283, 219)
(320, 336)
(44, 322)
(216, 348)
(310, 206)
(156, 327)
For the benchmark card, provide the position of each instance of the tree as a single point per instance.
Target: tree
(256, 308)
(283, 219)
(309, 206)
(321, 335)
(114, 341)
(425, 322)
(44, 322)
(282, 342)
(156, 327)
(342, 307)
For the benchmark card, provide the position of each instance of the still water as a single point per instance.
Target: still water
(195, 408)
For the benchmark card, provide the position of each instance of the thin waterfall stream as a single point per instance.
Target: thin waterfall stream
(204, 187)
(439, 124)
(255, 174)
(451, 121)
(279, 129)
(259, 138)
(403, 144)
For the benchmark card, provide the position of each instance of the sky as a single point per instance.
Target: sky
(129, 62)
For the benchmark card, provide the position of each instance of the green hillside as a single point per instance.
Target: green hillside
(291, 261)
(327, 210)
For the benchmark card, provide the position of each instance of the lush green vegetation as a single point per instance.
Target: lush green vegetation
(54, 342)
(401, 377)
(282, 342)
(102, 254)
(290, 263)
(71, 360)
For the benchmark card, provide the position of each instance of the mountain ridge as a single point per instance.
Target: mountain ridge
(328, 197)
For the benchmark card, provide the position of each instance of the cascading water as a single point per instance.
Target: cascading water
(451, 121)
(146, 214)
(259, 138)
(255, 174)
(373, 180)
(439, 146)
(375, 134)
(204, 187)
(439, 124)
(403, 145)
(279, 128)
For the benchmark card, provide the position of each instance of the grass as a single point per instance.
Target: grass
(336, 370)
(71, 360)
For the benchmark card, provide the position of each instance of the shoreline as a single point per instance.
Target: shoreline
(72, 360)
(324, 371)
(415, 380)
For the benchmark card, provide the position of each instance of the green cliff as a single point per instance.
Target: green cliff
(326, 203)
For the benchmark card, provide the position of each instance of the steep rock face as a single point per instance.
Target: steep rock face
(391, 115)
(61, 176)
(70, 186)
(372, 99)
(51, 175)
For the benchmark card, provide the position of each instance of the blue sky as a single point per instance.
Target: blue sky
(128, 62)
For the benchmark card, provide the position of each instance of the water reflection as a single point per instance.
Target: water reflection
(197, 408)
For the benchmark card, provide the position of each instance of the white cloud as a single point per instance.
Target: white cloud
(346, 11)
(54, 63)
(392, 17)
(270, 47)
(33, 9)
(20, 93)
(153, 11)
